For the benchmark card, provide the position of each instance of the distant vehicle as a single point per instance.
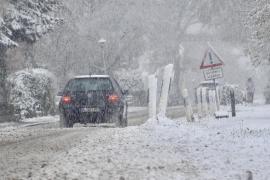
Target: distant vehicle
(93, 99)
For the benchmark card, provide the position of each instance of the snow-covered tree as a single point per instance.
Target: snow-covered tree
(258, 24)
(23, 21)
(5, 43)
(226, 17)
(30, 19)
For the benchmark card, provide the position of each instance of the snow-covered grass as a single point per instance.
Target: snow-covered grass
(45, 119)
(228, 148)
(173, 149)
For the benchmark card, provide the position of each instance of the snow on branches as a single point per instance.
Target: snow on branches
(130, 79)
(28, 20)
(5, 41)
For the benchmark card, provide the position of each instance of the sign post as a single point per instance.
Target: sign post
(212, 68)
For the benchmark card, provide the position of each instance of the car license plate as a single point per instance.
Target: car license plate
(90, 110)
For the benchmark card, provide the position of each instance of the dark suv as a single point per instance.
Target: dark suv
(93, 99)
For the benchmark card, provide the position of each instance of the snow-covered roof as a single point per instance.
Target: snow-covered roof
(91, 76)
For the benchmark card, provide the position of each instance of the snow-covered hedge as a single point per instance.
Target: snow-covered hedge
(133, 81)
(31, 92)
(225, 98)
(130, 79)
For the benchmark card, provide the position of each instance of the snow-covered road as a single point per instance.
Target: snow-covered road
(173, 149)
(27, 150)
(26, 147)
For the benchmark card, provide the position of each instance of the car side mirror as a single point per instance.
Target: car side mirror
(125, 92)
(60, 93)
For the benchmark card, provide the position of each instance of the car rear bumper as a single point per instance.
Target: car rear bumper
(90, 115)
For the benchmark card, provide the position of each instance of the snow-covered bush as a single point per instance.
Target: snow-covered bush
(225, 98)
(133, 81)
(130, 79)
(31, 92)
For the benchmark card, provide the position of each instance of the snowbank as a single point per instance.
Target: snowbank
(209, 149)
(229, 148)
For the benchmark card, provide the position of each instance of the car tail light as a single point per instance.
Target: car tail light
(113, 98)
(66, 99)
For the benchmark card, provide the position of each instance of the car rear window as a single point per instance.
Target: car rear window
(89, 84)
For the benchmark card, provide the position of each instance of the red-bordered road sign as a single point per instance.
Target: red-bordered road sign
(211, 59)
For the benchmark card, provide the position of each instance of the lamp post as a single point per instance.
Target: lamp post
(102, 44)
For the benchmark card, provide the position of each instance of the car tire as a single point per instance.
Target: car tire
(125, 116)
(116, 119)
(122, 118)
(123, 122)
(65, 122)
(99, 119)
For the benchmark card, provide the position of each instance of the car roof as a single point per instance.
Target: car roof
(91, 76)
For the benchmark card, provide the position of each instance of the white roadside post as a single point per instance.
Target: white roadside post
(187, 104)
(218, 98)
(199, 101)
(167, 77)
(204, 102)
(152, 83)
(212, 101)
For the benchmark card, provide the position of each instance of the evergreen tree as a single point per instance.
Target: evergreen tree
(258, 24)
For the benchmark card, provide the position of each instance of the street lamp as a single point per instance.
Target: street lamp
(102, 44)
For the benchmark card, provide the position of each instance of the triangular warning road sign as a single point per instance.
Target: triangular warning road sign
(211, 59)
